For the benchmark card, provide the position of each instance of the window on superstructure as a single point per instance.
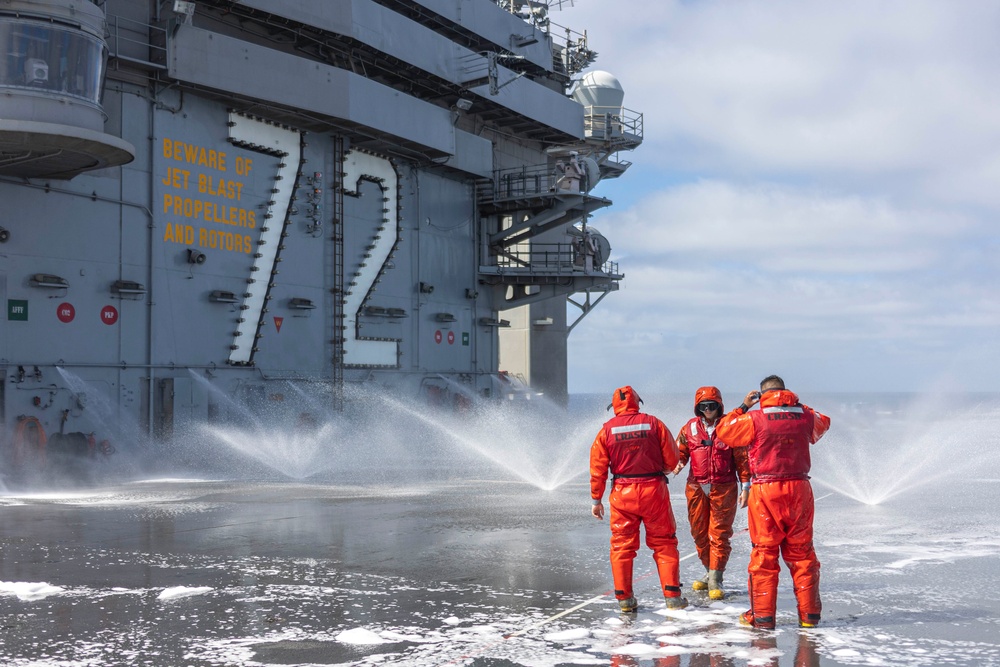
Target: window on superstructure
(50, 58)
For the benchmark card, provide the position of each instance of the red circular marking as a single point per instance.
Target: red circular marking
(109, 314)
(437, 336)
(451, 337)
(65, 312)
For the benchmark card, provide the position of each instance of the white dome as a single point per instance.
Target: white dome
(599, 89)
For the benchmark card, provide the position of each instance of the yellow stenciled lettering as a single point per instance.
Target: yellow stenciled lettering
(206, 158)
(222, 188)
(176, 178)
(206, 206)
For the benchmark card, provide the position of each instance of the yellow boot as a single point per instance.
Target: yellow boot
(715, 591)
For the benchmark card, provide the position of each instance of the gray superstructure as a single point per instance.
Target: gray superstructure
(219, 202)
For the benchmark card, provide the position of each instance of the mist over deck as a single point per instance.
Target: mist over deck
(384, 559)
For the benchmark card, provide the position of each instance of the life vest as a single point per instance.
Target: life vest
(780, 447)
(711, 459)
(633, 446)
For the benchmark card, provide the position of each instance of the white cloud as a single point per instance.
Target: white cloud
(780, 228)
(815, 195)
(848, 89)
(799, 274)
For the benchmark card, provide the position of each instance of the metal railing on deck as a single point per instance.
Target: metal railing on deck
(548, 259)
(136, 42)
(531, 181)
(570, 52)
(615, 124)
(527, 181)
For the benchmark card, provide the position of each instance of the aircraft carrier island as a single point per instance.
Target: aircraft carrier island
(221, 205)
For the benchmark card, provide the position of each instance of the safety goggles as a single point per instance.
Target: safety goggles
(708, 406)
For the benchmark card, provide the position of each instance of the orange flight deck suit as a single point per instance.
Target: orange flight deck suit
(712, 489)
(780, 507)
(637, 449)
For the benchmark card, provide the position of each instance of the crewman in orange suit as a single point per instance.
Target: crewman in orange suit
(719, 477)
(639, 450)
(780, 515)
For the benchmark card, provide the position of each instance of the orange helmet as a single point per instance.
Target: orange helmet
(708, 394)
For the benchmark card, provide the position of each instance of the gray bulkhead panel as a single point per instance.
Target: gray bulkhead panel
(528, 99)
(364, 216)
(69, 322)
(210, 196)
(73, 230)
(473, 154)
(194, 168)
(425, 297)
(226, 64)
(437, 247)
(495, 24)
(446, 219)
(399, 37)
(296, 341)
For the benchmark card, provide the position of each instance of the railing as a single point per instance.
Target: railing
(615, 124)
(547, 259)
(536, 180)
(570, 52)
(527, 181)
(616, 159)
(126, 36)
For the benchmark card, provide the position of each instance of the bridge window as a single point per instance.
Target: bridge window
(51, 58)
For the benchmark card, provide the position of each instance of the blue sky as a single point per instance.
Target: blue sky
(816, 196)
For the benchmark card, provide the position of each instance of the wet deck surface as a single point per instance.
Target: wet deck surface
(467, 572)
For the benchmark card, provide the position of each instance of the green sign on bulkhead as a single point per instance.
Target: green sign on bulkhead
(17, 309)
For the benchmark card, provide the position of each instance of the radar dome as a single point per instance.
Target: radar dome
(599, 89)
